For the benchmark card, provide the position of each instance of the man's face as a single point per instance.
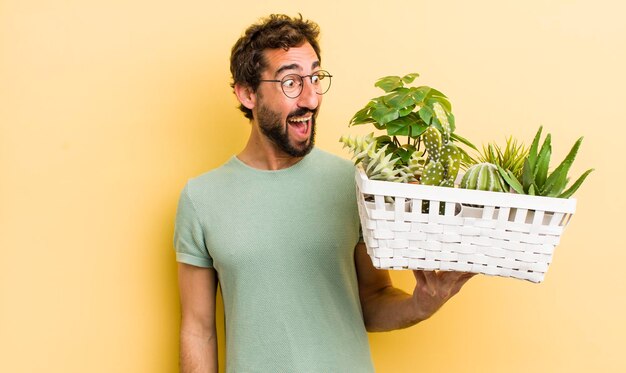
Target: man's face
(288, 122)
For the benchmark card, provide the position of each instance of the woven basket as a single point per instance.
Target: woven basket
(409, 226)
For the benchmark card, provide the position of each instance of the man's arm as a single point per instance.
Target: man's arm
(388, 308)
(198, 337)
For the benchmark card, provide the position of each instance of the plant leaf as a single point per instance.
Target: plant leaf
(511, 180)
(417, 128)
(532, 156)
(456, 137)
(419, 93)
(399, 126)
(389, 83)
(409, 78)
(406, 111)
(543, 162)
(426, 114)
(400, 98)
(362, 117)
(404, 154)
(568, 193)
(437, 93)
(383, 114)
(560, 173)
(440, 99)
(452, 122)
(527, 175)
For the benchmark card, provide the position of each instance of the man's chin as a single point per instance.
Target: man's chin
(300, 149)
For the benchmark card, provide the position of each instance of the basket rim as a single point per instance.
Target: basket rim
(458, 195)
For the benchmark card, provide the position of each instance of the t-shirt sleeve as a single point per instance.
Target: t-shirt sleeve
(189, 240)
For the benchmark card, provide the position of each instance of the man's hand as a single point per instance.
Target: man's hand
(434, 288)
(387, 308)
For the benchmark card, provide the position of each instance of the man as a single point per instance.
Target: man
(277, 226)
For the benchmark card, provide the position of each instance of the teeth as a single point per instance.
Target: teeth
(300, 119)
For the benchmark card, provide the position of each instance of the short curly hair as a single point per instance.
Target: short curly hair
(275, 31)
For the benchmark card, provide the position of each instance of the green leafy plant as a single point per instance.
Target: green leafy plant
(535, 178)
(405, 112)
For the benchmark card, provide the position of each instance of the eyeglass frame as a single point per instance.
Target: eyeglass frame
(282, 88)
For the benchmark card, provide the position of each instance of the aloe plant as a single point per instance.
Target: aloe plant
(535, 178)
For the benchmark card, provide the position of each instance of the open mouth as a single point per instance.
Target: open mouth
(301, 126)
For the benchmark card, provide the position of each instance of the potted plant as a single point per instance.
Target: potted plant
(514, 221)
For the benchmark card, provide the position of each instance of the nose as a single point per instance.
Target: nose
(308, 98)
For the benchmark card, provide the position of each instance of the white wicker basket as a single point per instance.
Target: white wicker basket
(502, 234)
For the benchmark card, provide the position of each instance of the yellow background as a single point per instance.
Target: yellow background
(107, 107)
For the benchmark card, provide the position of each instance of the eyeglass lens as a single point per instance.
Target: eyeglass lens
(293, 84)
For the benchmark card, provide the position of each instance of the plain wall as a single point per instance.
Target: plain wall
(108, 107)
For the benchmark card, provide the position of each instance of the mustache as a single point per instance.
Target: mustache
(300, 112)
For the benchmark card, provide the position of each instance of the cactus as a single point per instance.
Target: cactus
(444, 160)
(483, 176)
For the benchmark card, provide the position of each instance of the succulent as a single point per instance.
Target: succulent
(379, 164)
(535, 179)
(511, 158)
(484, 176)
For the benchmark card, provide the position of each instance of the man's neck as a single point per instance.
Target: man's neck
(261, 153)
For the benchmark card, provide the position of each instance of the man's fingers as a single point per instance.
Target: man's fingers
(427, 280)
(461, 280)
(419, 276)
(454, 277)
(444, 283)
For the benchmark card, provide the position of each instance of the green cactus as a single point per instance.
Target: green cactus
(483, 176)
(444, 160)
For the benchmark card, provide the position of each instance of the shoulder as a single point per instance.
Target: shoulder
(211, 180)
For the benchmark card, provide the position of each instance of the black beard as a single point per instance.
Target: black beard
(270, 125)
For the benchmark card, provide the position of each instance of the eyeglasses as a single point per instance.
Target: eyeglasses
(292, 84)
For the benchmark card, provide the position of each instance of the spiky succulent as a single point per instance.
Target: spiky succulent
(379, 163)
(535, 178)
(511, 158)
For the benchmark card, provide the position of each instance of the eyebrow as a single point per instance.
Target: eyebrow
(295, 66)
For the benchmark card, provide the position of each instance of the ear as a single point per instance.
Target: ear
(245, 95)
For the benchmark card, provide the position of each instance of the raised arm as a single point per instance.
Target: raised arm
(198, 337)
(387, 308)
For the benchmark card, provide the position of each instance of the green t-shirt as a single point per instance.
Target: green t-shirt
(282, 243)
